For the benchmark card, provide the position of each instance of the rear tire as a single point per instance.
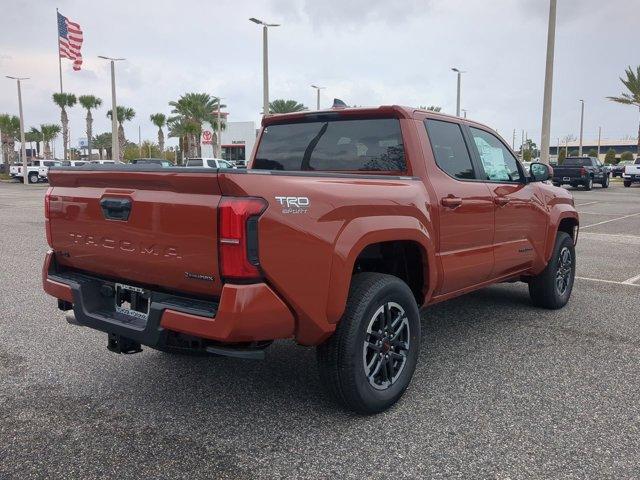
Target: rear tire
(556, 184)
(33, 177)
(605, 181)
(588, 185)
(368, 362)
(626, 184)
(552, 287)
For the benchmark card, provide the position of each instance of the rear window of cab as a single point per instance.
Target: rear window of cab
(371, 145)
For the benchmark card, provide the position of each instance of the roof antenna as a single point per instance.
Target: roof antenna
(337, 103)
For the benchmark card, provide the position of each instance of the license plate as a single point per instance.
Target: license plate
(132, 301)
(566, 179)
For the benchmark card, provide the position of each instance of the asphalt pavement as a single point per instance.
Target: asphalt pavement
(502, 390)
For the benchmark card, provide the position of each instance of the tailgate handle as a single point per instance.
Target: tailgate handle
(116, 208)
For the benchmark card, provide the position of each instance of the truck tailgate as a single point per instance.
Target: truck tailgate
(152, 227)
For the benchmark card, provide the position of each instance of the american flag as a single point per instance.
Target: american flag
(70, 41)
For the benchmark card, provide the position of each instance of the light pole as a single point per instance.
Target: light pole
(265, 62)
(218, 153)
(318, 95)
(115, 146)
(581, 126)
(459, 72)
(599, 137)
(23, 150)
(545, 139)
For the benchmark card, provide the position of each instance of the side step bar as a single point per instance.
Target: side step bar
(246, 354)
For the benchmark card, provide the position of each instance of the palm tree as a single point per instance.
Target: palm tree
(64, 101)
(89, 102)
(49, 132)
(285, 106)
(430, 108)
(123, 114)
(31, 136)
(159, 120)
(102, 142)
(186, 131)
(10, 128)
(632, 97)
(190, 110)
(37, 134)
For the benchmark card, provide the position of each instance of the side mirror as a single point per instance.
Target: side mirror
(540, 172)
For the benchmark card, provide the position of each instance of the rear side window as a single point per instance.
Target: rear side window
(450, 149)
(353, 145)
(194, 163)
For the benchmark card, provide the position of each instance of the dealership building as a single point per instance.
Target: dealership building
(238, 139)
(619, 146)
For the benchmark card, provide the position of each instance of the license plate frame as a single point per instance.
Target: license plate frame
(132, 301)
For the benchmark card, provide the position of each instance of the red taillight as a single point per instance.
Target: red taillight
(583, 172)
(238, 236)
(47, 214)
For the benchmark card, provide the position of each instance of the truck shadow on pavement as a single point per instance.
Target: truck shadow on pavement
(288, 381)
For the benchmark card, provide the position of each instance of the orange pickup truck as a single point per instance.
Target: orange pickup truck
(345, 223)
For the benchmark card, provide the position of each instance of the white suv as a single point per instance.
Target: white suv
(209, 163)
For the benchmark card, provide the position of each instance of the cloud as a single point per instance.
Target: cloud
(365, 52)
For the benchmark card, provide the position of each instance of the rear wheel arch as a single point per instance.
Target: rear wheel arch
(404, 259)
(406, 234)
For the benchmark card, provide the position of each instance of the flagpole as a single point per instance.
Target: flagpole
(59, 57)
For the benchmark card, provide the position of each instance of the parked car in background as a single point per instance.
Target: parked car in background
(33, 169)
(151, 161)
(43, 170)
(583, 171)
(74, 163)
(104, 162)
(618, 169)
(631, 173)
(346, 222)
(209, 163)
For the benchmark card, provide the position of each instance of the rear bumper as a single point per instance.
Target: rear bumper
(244, 313)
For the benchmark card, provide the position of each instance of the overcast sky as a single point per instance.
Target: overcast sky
(366, 52)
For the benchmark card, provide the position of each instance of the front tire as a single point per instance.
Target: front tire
(605, 181)
(368, 362)
(552, 287)
(626, 184)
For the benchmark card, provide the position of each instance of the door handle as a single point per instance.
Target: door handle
(116, 208)
(451, 201)
(501, 201)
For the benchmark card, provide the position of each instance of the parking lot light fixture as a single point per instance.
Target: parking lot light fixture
(318, 95)
(23, 149)
(459, 72)
(545, 137)
(265, 62)
(115, 146)
(581, 126)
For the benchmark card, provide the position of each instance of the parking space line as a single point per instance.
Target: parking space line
(603, 214)
(632, 280)
(612, 220)
(612, 236)
(600, 280)
(583, 204)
